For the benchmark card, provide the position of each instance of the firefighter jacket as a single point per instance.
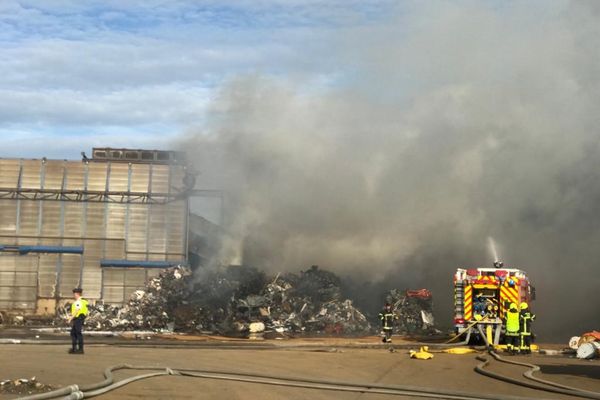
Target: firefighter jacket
(387, 319)
(79, 308)
(512, 322)
(526, 319)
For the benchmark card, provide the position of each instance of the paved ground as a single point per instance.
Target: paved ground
(51, 364)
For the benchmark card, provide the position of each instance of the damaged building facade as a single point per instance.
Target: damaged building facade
(107, 223)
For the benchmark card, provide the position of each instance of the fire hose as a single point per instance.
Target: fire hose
(542, 384)
(108, 384)
(73, 392)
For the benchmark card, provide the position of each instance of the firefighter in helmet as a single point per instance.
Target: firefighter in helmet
(387, 317)
(512, 329)
(526, 318)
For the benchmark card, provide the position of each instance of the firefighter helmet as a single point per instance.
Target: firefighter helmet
(512, 307)
(524, 306)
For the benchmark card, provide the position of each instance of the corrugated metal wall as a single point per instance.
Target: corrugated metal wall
(106, 230)
(18, 282)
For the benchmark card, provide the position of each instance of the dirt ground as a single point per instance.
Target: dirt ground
(333, 360)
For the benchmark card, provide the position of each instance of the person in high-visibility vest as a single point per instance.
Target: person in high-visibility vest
(512, 329)
(387, 317)
(526, 319)
(79, 311)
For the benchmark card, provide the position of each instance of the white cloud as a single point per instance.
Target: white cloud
(164, 104)
(92, 67)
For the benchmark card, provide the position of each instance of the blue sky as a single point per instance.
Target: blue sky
(139, 73)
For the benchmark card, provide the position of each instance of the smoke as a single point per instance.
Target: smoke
(453, 122)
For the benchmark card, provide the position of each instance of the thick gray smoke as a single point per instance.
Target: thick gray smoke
(454, 124)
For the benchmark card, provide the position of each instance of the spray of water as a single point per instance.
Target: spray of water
(492, 247)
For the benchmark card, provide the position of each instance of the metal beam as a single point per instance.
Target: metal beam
(41, 249)
(97, 196)
(138, 264)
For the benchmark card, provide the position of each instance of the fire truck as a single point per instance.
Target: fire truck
(482, 297)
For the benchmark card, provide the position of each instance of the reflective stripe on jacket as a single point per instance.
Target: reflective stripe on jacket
(387, 319)
(526, 319)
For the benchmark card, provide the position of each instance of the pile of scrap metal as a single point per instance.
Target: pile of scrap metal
(309, 302)
(234, 300)
(155, 308)
(414, 309)
(586, 345)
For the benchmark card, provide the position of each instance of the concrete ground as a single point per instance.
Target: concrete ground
(324, 359)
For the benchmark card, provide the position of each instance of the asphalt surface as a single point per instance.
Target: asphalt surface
(333, 359)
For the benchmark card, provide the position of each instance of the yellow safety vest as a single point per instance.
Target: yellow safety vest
(512, 322)
(79, 307)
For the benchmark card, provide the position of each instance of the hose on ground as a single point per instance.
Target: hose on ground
(107, 384)
(403, 390)
(535, 368)
(116, 385)
(480, 368)
(322, 386)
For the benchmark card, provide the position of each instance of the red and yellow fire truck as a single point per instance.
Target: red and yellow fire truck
(482, 297)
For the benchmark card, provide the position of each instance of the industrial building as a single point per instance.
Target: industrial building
(106, 223)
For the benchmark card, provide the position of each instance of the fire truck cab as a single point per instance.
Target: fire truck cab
(482, 297)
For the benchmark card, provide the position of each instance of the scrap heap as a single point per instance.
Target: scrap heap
(414, 309)
(587, 345)
(234, 300)
(309, 302)
(156, 307)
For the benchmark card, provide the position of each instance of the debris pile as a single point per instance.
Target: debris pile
(23, 386)
(310, 302)
(587, 345)
(235, 301)
(103, 317)
(154, 308)
(414, 309)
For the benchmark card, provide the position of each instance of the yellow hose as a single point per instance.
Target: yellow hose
(460, 334)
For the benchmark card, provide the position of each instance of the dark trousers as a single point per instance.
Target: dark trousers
(512, 342)
(526, 343)
(77, 333)
(387, 335)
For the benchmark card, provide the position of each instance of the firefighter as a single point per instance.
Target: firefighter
(512, 329)
(79, 311)
(387, 318)
(526, 318)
